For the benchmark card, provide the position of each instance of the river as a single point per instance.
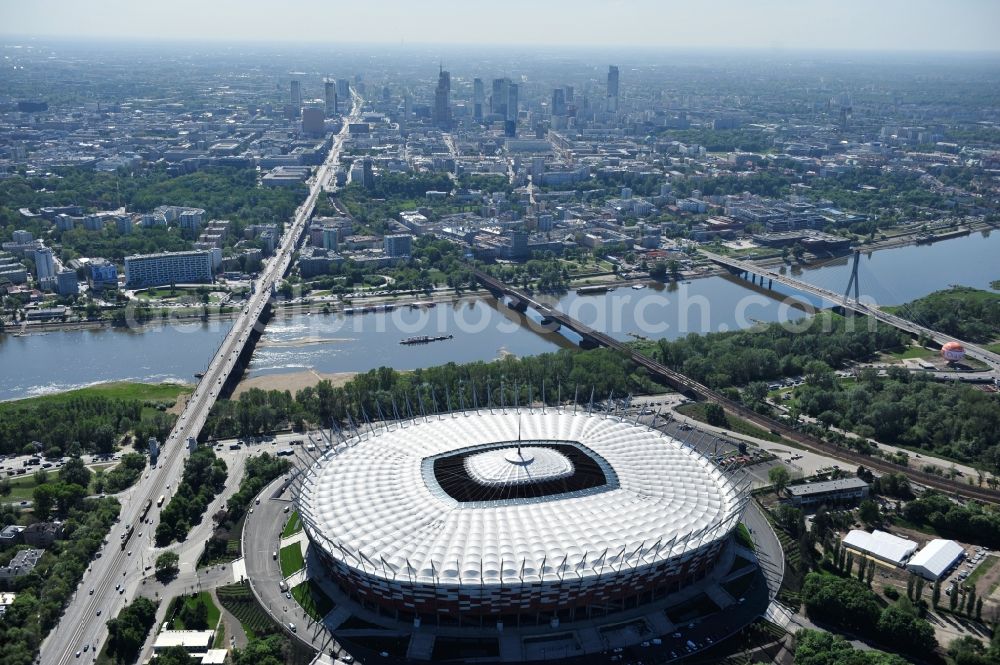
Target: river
(50, 362)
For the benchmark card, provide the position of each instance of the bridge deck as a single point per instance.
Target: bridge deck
(906, 325)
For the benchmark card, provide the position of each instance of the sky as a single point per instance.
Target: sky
(892, 25)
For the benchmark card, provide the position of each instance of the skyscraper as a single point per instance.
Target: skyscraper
(498, 100)
(442, 100)
(296, 97)
(330, 97)
(613, 89)
(344, 92)
(510, 122)
(478, 95)
(558, 102)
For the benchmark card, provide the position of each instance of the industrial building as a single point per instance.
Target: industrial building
(936, 558)
(829, 492)
(880, 545)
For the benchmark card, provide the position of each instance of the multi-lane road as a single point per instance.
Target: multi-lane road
(83, 622)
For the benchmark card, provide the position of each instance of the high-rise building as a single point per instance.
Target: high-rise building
(367, 174)
(344, 93)
(498, 100)
(612, 89)
(569, 95)
(398, 245)
(145, 270)
(330, 97)
(442, 100)
(558, 102)
(296, 97)
(313, 120)
(22, 237)
(45, 265)
(103, 275)
(512, 90)
(67, 283)
(478, 96)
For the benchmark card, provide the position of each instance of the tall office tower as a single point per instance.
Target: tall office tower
(296, 94)
(569, 95)
(312, 120)
(613, 89)
(442, 94)
(386, 94)
(478, 95)
(330, 97)
(45, 267)
(510, 122)
(344, 93)
(407, 109)
(498, 100)
(558, 102)
(512, 102)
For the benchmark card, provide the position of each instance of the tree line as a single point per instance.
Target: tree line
(384, 392)
(204, 477)
(43, 594)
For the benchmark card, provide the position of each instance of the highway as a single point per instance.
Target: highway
(80, 623)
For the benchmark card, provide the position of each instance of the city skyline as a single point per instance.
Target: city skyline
(924, 25)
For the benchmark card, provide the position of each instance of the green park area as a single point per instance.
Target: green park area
(291, 559)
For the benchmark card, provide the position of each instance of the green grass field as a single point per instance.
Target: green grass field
(152, 392)
(293, 525)
(291, 559)
(312, 599)
(910, 352)
(983, 568)
(203, 598)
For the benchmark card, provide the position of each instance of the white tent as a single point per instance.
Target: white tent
(881, 545)
(936, 558)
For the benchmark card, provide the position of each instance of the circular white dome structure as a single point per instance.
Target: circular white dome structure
(517, 465)
(500, 514)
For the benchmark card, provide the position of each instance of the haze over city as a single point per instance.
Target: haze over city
(906, 25)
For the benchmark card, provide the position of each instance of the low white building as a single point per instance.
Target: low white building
(935, 559)
(880, 545)
(193, 641)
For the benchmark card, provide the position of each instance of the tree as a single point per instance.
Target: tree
(868, 512)
(779, 477)
(127, 632)
(813, 647)
(194, 615)
(176, 655)
(167, 566)
(953, 600)
(899, 625)
(936, 593)
(74, 471)
(715, 415)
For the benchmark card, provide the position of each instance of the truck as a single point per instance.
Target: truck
(159, 502)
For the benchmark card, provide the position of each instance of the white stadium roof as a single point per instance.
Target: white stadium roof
(936, 557)
(881, 545)
(376, 503)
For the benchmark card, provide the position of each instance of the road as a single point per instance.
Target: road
(80, 623)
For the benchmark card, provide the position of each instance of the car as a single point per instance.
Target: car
(121, 591)
(91, 591)
(285, 510)
(77, 654)
(251, 511)
(140, 534)
(118, 586)
(86, 648)
(288, 595)
(130, 552)
(98, 612)
(257, 502)
(291, 626)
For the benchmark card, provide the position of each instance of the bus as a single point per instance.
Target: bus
(159, 502)
(145, 511)
(285, 452)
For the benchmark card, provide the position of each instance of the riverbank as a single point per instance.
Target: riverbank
(291, 381)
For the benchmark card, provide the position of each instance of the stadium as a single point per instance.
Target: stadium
(503, 521)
